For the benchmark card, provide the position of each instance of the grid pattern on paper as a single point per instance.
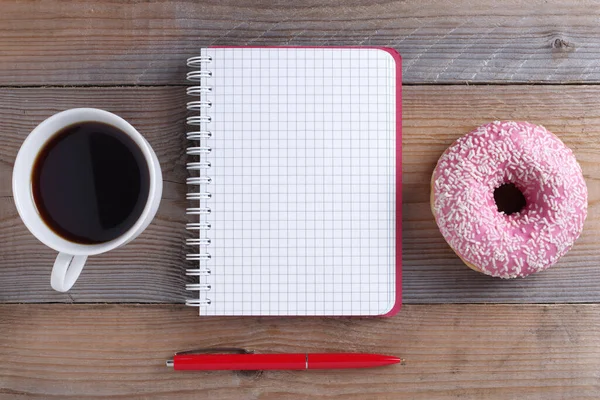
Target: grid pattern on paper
(303, 192)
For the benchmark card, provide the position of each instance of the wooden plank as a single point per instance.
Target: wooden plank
(435, 116)
(148, 269)
(119, 42)
(450, 351)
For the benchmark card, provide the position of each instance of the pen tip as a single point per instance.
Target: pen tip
(393, 360)
(169, 363)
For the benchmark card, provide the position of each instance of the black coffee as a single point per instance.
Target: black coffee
(90, 182)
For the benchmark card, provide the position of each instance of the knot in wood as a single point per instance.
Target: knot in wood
(561, 44)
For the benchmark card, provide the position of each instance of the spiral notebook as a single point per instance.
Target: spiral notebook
(295, 177)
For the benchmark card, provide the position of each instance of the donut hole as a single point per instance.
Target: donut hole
(509, 199)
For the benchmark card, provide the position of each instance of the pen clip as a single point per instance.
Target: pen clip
(216, 350)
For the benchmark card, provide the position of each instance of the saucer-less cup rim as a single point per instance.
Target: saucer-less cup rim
(23, 193)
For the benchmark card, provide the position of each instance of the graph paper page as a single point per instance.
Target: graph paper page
(303, 188)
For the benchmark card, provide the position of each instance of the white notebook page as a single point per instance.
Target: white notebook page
(303, 181)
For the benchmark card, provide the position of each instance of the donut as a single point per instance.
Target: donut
(538, 222)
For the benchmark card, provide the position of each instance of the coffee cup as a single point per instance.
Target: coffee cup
(74, 181)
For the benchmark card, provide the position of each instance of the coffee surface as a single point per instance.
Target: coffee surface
(90, 183)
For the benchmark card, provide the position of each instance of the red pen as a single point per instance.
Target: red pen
(194, 361)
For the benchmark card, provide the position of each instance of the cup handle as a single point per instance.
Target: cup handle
(66, 270)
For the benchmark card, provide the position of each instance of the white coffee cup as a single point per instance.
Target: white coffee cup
(72, 256)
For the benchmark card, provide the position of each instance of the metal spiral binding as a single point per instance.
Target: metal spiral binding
(200, 180)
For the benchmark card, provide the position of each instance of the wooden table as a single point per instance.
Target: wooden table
(463, 335)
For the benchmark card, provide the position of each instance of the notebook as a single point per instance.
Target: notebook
(295, 177)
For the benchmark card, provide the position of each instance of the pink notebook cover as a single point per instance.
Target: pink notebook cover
(264, 257)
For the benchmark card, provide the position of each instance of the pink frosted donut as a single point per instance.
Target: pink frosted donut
(546, 212)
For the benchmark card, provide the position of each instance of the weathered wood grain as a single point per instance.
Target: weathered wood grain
(120, 42)
(433, 118)
(148, 269)
(450, 351)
